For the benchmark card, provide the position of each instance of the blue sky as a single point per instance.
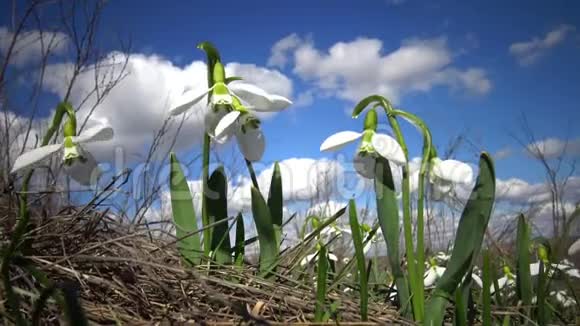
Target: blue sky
(470, 68)
(478, 33)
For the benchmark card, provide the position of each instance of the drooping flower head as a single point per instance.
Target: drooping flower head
(77, 162)
(445, 175)
(372, 145)
(233, 104)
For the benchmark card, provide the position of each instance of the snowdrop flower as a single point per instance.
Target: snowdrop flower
(372, 146)
(507, 281)
(432, 275)
(574, 248)
(442, 257)
(78, 163)
(246, 128)
(444, 175)
(563, 298)
(314, 257)
(563, 267)
(225, 94)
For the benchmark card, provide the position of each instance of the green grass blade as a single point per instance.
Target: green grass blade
(240, 247)
(468, 240)
(184, 217)
(524, 278)
(217, 207)
(275, 202)
(388, 216)
(321, 284)
(486, 293)
(360, 259)
(266, 236)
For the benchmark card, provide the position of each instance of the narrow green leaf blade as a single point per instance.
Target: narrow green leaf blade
(217, 206)
(388, 216)
(275, 202)
(240, 247)
(524, 278)
(486, 292)
(266, 235)
(321, 284)
(468, 240)
(360, 259)
(184, 217)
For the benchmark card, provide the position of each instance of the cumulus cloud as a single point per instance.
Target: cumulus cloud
(528, 52)
(551, 148)
(31, 45)
(138, 105)
(518, 191)
(352, 70)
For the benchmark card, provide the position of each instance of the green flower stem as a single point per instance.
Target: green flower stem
(12, 301)
(252, 174)
(415, 278)
(427, 152)
(204, 212)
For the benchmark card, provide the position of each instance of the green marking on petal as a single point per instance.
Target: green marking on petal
(366, 146)
(221, 95)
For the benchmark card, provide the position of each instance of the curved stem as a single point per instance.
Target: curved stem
(427, 152)
(252, 174)
(416, 279)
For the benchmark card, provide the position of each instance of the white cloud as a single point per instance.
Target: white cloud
(31, 45)
(518, 191)
(503, 153)
(528, 52)
(352, 70)
(138, 105)
(279, 51)
(553, 148)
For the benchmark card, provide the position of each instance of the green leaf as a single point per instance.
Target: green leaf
(486, 293)
(184, 217)
(275, 202)
(217, 206)
(266, 234)
(468, 240)
(321, 284)
(523, 276)
(240, 247)
(360, 259)
(388, 216)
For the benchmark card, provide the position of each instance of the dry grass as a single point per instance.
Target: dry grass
(124, 275)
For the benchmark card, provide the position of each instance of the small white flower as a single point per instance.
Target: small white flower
(442, 257)
(372, 145)
(563, 298)
(306, 260)
(433, 274)
(78, 163)
(574, 248)
(444, 175)
(563, 267)
(502, 283)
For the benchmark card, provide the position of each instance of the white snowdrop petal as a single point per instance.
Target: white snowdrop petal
(251, 94)
(33, 157)
(339, 140)
(187, 100)
(225, 123)
(388, 148)
(365, 165)
(86, 172)
(453, 171)
(252, 143)
(94, 134)
(277, 103)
